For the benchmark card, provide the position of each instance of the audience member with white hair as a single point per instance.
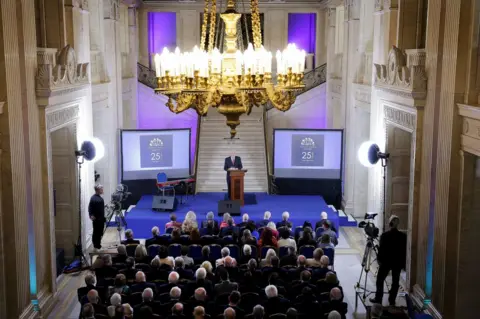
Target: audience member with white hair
(115, 300)
(273, 227)
(274, 303)
(285, 222)
(211, 225)
(190, 222)
(173, 277)
(94, 300)
(121, 256)
(267, 262)
(266, 219)
(129, 240)
(225, 252)
(155, 237)
(200, 294)
(334, 315)
(323, 218)
(175, 293)
(177, 309)
(247, 238)
(246, 255)
(335, 303)
(141, 283)
(229, 313)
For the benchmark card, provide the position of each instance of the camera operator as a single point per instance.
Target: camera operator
(391, 256)
(96, 210)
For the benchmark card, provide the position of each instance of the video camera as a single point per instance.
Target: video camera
(121, 194)
(369, 227)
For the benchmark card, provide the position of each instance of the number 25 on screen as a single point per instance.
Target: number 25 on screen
(156, 156)
(307, 155)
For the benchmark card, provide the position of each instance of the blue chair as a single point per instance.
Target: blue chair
(228, 239)
(319, 232)
(195, 252)
(131, 250)
(234, 251)
(203, 231)
(255, 234)
(162, 178)
(169, 230)
(185, 239)
(175, 250)
(330, 253)
(215, 251)
(254, 251)
(298, 230)
(283, 251)
(265, 249)
(307, 251)
(153, 250)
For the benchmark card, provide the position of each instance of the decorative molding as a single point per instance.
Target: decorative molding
(363, 94)
(336, 85)
(470, 139)
(58, 72)
(399, 117)
(61, 117)
(404, 73)
(111, 10)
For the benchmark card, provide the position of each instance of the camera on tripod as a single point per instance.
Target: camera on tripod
(371, 231)
(121, 194)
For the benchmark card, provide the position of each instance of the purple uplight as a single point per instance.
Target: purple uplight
(302, 30)
(162, 31)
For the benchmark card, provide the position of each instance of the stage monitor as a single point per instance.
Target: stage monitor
(145, 153)
(308, 154)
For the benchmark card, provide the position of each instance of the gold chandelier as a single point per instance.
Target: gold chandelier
(232, 81)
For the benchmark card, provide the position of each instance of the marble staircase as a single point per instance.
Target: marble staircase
(215, 144)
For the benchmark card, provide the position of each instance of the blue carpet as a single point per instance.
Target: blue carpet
(248, 198)
(142, 218)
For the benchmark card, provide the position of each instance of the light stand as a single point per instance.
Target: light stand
(78, 246)
(384, 162)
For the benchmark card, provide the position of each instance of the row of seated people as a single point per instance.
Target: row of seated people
(309, 278)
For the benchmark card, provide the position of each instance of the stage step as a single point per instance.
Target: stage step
(215, 144)
(346, 220)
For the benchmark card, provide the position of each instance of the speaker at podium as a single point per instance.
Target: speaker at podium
(164, 203)
(229, 206)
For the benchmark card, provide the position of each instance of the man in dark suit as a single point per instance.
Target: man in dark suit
(232, 163)
(274, 304)
(392, 254)
(96, 211)
(225, 286)
(141, 283)
(129, 238)
(147, 297)
(155, 237)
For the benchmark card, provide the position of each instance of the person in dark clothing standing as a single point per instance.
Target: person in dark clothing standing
(231, 163)
(96, 210)
(392, 255)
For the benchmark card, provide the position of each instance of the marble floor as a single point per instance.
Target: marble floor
(348, 259)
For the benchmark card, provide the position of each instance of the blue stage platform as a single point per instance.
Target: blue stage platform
(142, 218)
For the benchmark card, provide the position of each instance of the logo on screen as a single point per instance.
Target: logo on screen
(156, 142)
(307, 150)
(307, 142)
(156, 151)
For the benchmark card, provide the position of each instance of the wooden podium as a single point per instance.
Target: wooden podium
(236, 185)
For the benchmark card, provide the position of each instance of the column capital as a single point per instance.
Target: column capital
(111, 10)
(132, 3)
(81, 4)
(352, 10)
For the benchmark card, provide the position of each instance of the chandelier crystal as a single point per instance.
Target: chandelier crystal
(232, 81)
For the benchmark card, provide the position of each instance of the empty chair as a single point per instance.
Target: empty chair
(215, 251)
(153, 250)
(195, 252)
(175, 250)
(307, 251)
(131, 250)
(162, 178)
(282, 251)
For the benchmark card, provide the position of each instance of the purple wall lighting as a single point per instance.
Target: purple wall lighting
(302, 29)
(162, 31)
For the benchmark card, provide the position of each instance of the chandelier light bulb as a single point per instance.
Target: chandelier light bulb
(157, 60)
(238, 62)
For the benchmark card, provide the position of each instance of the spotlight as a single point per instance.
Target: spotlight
(369, 154)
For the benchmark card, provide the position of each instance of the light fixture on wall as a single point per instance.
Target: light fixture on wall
(232, 81)
(91, 150)
(369, 154)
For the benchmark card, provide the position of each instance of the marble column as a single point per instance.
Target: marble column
(131, 121)
(330, 107)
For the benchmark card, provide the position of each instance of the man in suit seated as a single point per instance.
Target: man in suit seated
(335, 303)
(154, 239)
(200, 281)
(257, 313)
(129, 238)
(307, 303)
(88, 312)
(177, 311)
(229, 230)
(233, 302)
(285, 222)
(90, 283)
(225, 286)
(299, 285)
(98, 307)
(266, 219)
(274, 304)
(326, 230)
(173, 279)
(180, 269)
(175, 296)
(232, 163)
(246, 222)
(290, 259)
(147, 297)
(188, 261)
(200, 299)
(141, 283)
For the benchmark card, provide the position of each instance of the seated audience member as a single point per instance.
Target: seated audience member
(187, 261)
(225, 252)
(190, 222)
(180, 269)
(274, 277)
(90, 283)
(175, 237)
(298, 285)
(210, 219)
(289, 259)
(315, 261)
(94, 300)
(115, 300)
(307, 238)
(144, 312)
(200, 281)
(225, 286)
(230, 264)
(267, 239)
(175, 295)
(285, 239)
(173, 278)
(209, 268)
(247, 255)
(331, 233)
(245, 221)
(229, 230)
(164, 258)
(334, 315)
(211, 225)
(307, 302)
(292, 313)
(247, 238)
(141, 283)
(267, 262)
(285, 222)
(127, 311)
(272, 226)
(206, 254)
(274, 304)
(256, 272)
(129, 270)
(88, 312)
(129, 238)
(258, 312)
(106, 270)
(301, 264)
(173, 222)
(154, 239)
(199, 312)
(177, 311)
(327, 284)
(248, 283)
(195, 237)
(266, 219)
(121, 256)
(336, 303)
(229, 313)
(141, 255)
(200, 299)
(233, 302)
(224, 222)
(321, 272)
(323, 218)
(119, 312)
(120, 285)
(325, 241)
(147, 302)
